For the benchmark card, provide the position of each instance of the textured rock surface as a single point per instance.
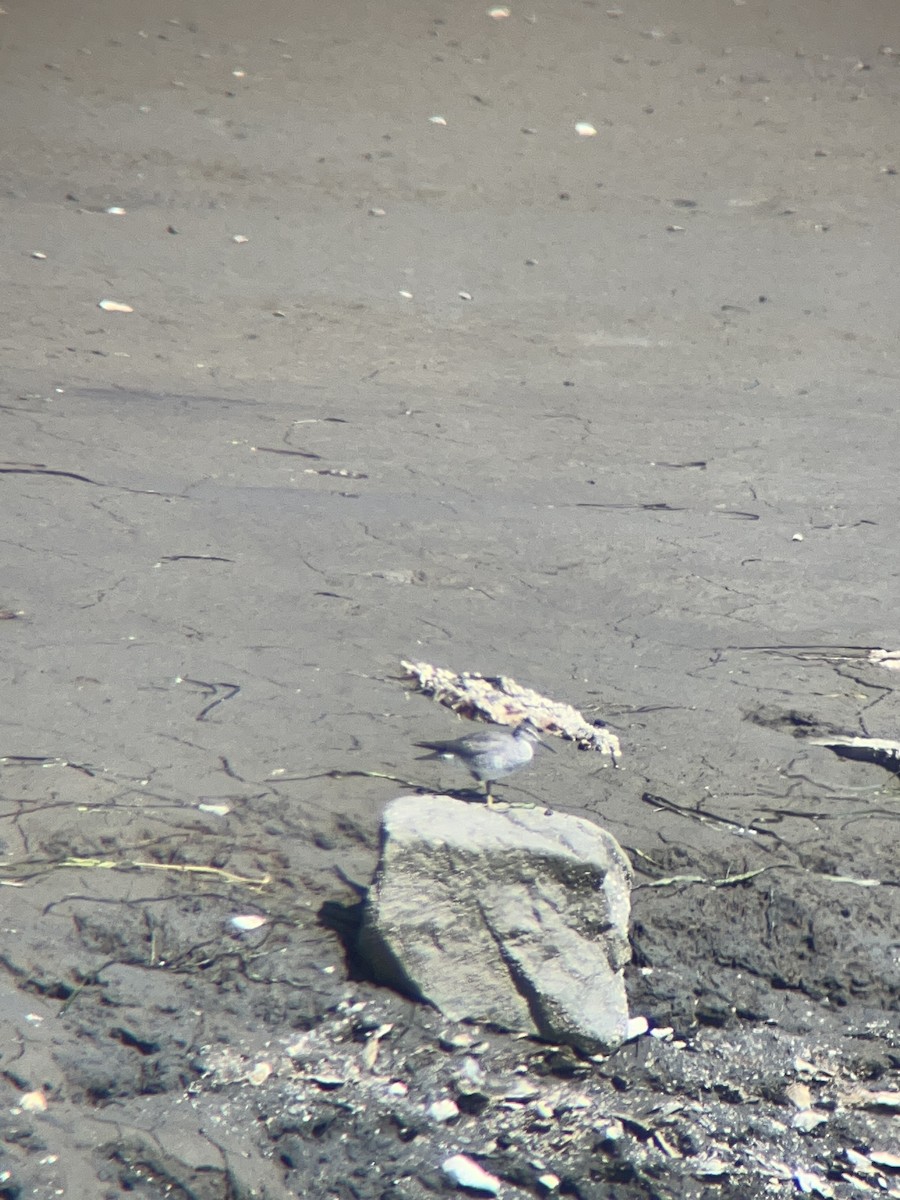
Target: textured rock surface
(518, 918)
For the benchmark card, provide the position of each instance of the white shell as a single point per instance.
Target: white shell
(115, 306)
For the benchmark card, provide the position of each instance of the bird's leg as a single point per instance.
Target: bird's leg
(488, 793)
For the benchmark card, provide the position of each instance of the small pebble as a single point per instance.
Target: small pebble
(585, 129)
(498, 14)
(407, 295)
(636, 1027)
(465, 1172)
(34, 1101)
(443, 1110)
(38, 254)
(885, 1158)
(711, 1168)
(464, 295)
(438, 120)
(240, 238)
(248, 922)
(377, 212)
(798, 537)
(457, 1041)
(259, 1074)
(807, 1121)
(115, 306)
(115, 211)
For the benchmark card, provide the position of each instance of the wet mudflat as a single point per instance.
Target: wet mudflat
(610, 414)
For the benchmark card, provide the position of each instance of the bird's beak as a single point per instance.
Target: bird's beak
(540, 736)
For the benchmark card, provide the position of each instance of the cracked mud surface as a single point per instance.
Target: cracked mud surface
(230, 514)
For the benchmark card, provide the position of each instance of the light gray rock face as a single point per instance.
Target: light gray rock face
(518, 918)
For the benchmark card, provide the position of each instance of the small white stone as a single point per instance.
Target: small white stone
(808, 1120)
(798, 537)
(259, 1074)
(115, 210)
(248, 922)
(438, 120)
(443, 1110)
(115, 306)
(809, 1183)
(585, 129)
(241, 239)
(465, 1172)
(498, 14)
(636, 1027)
(38, 254)
(885, 1158)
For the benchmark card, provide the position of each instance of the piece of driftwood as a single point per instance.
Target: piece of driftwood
(881, 751)
(502, 701)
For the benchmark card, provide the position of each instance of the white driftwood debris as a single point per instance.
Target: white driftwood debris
(502, 701)
(881, 751)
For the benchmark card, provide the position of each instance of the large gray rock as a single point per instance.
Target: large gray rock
(517, 917)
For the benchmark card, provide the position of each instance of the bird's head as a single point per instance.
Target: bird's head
(532, 732)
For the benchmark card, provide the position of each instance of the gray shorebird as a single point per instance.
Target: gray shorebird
(489, 754)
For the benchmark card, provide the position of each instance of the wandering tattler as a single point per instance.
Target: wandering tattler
(489, 754)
